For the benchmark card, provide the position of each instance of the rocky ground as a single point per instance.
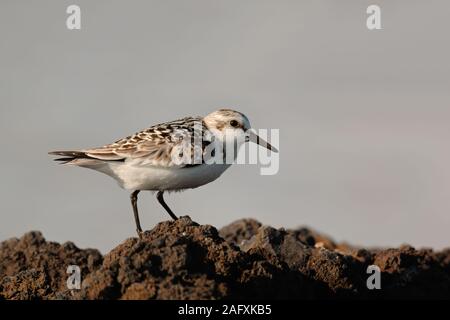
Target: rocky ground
(184, 260)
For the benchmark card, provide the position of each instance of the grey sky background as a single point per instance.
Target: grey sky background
(363, 115)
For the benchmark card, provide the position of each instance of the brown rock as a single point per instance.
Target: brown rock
(183, 260)
(240, 231)
(32, 268)
(176, 260)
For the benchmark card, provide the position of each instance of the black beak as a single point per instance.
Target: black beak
(253, 137)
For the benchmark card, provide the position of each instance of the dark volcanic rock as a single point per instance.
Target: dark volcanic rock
(183, 260)
(240, 231)
(413, 273)
(32, 268)
(176, 260)
(179, 260)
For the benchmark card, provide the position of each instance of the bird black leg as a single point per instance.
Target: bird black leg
(134, 199)
(160, 198)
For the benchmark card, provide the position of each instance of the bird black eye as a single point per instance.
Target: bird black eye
(234, 123)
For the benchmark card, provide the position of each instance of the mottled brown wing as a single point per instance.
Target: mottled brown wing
(161, 145)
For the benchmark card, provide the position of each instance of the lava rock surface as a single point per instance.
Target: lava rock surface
(244, 260)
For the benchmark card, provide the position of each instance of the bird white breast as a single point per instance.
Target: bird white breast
(132, 177)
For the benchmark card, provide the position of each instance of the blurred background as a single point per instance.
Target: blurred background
(363, 115)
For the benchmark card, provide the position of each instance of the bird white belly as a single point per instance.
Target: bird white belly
(135, 177)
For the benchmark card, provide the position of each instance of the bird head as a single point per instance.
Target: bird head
(226, 122)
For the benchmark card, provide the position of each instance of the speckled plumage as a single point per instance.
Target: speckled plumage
(157, 145)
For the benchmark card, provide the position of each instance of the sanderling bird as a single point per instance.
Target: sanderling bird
(171, 156)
